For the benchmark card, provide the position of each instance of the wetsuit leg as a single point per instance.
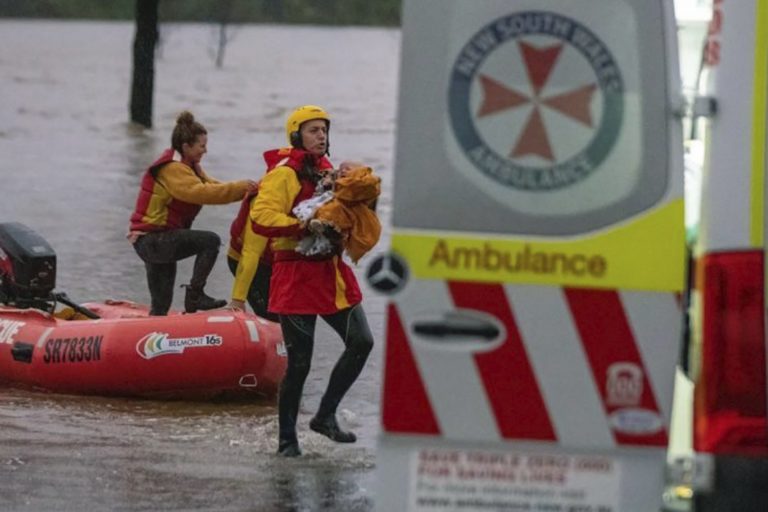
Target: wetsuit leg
(258, 292)
(161, 271)
(178, 244)
(161, 278)
(205, 244)
(298, 335)
(352, 326)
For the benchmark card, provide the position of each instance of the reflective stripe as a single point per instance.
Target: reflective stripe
(341, 286)
(43, 336)
(220, 319)
(757, 191)
(617, 367)
(252, 330)
(406, 406)
(506, 372)
(446, 371)
(579, 367)
(552, 346)
(653, 316)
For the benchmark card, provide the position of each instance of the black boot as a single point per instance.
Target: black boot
(329, 427)
(288, 448)
(197, 300)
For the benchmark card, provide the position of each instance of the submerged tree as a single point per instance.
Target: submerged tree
(144, 62)
(224, 15)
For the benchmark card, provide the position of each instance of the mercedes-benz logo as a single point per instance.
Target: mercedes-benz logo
(387, 273)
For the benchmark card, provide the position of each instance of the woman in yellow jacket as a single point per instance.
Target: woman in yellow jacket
(303, 287)
(248, 256)
(172, 192)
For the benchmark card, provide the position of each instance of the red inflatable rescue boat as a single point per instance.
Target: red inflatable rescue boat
(115, 348)
(202, 355)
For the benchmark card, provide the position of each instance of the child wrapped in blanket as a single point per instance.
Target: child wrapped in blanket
(343, 215)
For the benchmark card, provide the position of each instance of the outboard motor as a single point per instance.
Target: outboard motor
(27, 266)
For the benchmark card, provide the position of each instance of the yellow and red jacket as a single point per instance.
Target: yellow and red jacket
(299, 284)
(171, 194)
(248, 243)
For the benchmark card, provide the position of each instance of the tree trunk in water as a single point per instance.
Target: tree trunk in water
(224, 16)
(222, 45)
(144, 62)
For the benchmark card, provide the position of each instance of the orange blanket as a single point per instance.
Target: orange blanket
(350, 211)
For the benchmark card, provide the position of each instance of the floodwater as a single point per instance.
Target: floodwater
(70, 164)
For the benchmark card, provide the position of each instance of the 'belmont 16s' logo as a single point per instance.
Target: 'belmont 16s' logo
(159, 344)
(536, 100)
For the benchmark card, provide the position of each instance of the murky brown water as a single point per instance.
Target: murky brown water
(69, 169)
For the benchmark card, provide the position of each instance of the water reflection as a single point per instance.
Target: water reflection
(166, 456)
(305, 489)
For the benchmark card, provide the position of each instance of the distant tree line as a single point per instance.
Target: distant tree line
(316, 12)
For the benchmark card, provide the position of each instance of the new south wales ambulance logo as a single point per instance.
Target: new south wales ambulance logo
(536, 101)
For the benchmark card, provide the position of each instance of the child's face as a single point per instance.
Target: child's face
(347, 166)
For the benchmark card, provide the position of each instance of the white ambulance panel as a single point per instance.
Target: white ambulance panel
(537, 257)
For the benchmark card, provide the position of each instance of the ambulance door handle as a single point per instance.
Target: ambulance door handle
(457, 326)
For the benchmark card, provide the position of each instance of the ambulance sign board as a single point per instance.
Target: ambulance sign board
(445, 479)
(537, 250)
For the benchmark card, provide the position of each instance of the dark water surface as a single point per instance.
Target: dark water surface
(69, 169)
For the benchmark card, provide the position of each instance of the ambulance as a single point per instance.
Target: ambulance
(537, 259)
(728, 338)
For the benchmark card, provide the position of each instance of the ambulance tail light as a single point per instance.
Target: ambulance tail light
(730, 393)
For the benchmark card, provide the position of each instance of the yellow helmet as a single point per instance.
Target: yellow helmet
(300, 116)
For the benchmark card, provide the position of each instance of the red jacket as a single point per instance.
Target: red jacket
(290, 157)
(179, 213)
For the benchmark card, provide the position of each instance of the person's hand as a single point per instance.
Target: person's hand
(252, 185)
(315, 226)
(327, 180)
(236, 305)
(302, 231)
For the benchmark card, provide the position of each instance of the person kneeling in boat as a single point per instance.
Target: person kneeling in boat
(171, 194)
(303, 287)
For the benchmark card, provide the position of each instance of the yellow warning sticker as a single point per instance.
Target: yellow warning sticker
(645, 254)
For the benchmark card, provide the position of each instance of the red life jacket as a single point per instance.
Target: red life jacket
(180, 214)
(289, 157)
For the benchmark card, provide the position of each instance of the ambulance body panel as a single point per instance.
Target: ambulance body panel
(539, 238)
(732, 219)
(728, 356)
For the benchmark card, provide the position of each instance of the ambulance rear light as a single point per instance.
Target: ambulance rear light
(730, 394)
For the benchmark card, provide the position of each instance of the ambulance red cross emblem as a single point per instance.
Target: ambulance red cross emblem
(536, 100)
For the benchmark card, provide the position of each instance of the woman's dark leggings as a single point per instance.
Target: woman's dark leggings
(299, 334)
(258, 292)
(161, 250)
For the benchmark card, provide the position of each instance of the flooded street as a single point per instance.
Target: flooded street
(72, 453)
(70, 165)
